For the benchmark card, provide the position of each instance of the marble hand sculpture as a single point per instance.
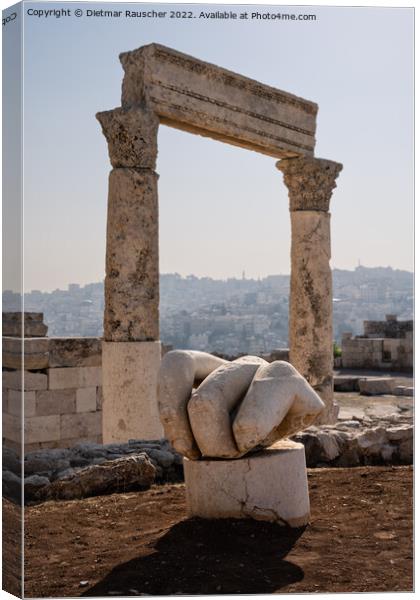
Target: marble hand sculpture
(213, 408)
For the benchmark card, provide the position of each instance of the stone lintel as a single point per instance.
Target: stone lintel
(310, 182)
(202, 98)
(131, 136)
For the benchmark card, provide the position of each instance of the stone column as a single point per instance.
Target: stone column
(310, 182)
(131, 347)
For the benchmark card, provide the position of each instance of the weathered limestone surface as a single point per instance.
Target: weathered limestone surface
(80, 425)
(42, 429)
(247, 487)
(376, 386)
(239, 406)
(28, 353)
(131, 136)
(26, 380)
(55, 402)
(278, 403)
(202, 98)
(41, 352)
(129, 405)
(17, 399)
(86, 399)
(74, 377)
(74, 352)
(179, 370)
(211, 405)
(109, 477)
(132, 257)
(403, 390)
(33, 325)
(310, 182)
(310, 305)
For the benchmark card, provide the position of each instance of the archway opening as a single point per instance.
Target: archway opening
(224, 247)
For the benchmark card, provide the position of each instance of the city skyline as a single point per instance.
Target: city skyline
(222, 209)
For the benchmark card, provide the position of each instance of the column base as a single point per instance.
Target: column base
(129, 408)
(270, 485)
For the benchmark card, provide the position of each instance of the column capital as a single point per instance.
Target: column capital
(131, 135)
(310, 182)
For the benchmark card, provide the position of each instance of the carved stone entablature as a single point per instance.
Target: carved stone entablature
(310, 182)
(131, 136)
(202, 98)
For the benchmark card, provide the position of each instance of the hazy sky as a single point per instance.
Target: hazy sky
(222, 209)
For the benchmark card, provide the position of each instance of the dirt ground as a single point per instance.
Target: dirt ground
(359, 539)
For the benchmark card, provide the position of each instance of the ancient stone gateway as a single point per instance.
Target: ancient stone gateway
(164, 86)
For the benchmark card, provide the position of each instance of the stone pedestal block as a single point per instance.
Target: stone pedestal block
(270, 485)
(129, 405)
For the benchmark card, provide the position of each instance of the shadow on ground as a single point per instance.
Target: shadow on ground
(199, 556)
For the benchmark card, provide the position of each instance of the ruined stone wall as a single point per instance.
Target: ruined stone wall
(390, 328)
(57, 382)
(382, 354)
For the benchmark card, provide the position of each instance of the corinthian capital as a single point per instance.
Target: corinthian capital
(310, 182)
(131, 136)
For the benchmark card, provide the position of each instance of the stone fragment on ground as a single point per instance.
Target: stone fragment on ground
(403, 390)
(374, 386)
(112, 476)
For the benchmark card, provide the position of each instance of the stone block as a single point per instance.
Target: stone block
(29, 353)
(74, 377)
(330, 447)
(75, 352)
(33, 325)
(55, 402)
(86, 399)
(15, 403)
(403, 390)
(206, 99)
(403, 432)
(130, 371)
(12, 428)
(344, 383)
(376, 386)
(42, 429)
(81, 425)
(270, 485)
(31, 381)
(371, 441)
